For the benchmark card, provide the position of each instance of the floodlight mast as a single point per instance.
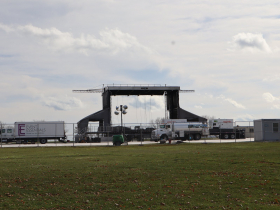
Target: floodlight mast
(122, 109)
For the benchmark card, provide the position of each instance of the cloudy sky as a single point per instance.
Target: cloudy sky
(228, 52)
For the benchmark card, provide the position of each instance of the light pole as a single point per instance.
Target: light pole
(122, 109)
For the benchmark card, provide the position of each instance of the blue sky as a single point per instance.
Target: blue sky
(228, 52)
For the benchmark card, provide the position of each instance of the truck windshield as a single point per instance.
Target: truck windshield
(162, 126)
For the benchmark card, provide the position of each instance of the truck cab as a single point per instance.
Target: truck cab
(6, 133)
(163, 132)
(165, 129)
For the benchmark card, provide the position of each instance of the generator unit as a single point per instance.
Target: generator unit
(224, 128)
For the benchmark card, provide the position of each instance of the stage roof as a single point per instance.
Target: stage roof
(140, 90)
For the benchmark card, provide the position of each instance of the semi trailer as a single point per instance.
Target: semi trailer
(172, 129)
(224, 128)
(24, 132)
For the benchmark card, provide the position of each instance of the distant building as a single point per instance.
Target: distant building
(249, 131)
(267, 130)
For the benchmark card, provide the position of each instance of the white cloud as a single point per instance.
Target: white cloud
(245, 117)
(272, 78)
(249, 42)
(221, 97)
(234, 103)
(6, 28)
(62, 103)
(268, 97)
(231, 101)
(111, 40)
(148, 102)
(276, 106)
(197, 60)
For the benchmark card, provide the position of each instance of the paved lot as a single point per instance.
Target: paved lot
(70, 144)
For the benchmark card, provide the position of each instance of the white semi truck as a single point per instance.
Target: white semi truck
(181, 130)
(34, 131)
(224, 128)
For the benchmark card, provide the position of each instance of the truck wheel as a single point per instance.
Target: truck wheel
(232, 136)
(163, 137)
(162, 141)
(190, 137)
(197, 136)
(225, 136)
(118, 143)
(43, 141)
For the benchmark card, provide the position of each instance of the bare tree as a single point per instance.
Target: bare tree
(5, 125)
(2, 125)
(155, 123)
(208, 117)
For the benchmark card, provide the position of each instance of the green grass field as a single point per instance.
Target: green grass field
(183, 176)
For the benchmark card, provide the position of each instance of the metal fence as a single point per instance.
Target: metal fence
(139, 134)
(249, 128)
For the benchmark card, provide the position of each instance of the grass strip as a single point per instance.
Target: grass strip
(183, 176)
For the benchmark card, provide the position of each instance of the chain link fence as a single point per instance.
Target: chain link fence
(41, 134)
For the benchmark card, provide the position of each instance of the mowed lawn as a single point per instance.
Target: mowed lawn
(182, 176)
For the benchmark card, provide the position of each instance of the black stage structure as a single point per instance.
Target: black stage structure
(104, 116)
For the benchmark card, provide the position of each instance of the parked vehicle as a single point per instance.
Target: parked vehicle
(224, 128)
(181, 131)
(34, 131)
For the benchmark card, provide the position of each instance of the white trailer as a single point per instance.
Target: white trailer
(221, 123)
(181, 131)
(34, 131)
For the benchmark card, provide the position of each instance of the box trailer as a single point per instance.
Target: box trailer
(224, 128)
(34, 131)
